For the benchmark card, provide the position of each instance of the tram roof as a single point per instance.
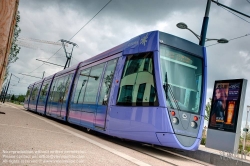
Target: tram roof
(136, 44)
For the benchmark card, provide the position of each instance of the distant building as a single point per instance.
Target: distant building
(8, 12)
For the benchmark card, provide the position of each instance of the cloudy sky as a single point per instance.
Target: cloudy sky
(122, 20)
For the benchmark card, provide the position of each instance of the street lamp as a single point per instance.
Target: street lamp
(182, 25)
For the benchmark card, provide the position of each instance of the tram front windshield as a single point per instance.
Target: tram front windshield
(182, 79)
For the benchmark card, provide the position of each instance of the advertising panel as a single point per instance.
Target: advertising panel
(225, 105)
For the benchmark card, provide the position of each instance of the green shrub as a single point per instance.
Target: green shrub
(247, 148)
(203, 141)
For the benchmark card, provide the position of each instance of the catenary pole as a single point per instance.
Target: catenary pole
(3, 92)
(205, 24)
(7, 89)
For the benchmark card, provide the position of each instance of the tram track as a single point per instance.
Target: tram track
(188, 158)
(145, 153)
(156, 152)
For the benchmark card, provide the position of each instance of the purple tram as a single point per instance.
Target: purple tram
(150, 89)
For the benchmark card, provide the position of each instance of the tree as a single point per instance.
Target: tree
(208, 109)
(21, 98)
(15, 49)
(12, 98)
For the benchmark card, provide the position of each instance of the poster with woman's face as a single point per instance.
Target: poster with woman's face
(225, 105)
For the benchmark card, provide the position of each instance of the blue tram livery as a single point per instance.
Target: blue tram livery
(150, 89)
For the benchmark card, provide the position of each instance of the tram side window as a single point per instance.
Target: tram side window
(107, 82)
(34, 92)
(27, 94)
(137, 87)
(53, 90)
(126, 94)
(59, 90)
(37, 92)
(44, 91)
(140, 94)
(67, 82)
(93, 84)
(152, 94)
(83, 77)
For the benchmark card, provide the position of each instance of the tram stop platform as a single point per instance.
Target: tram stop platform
(217, 157)
(32, 128)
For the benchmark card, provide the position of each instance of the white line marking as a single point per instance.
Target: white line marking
(123, 155)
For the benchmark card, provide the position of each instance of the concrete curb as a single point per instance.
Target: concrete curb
(216, 159)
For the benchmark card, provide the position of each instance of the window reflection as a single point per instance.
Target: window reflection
(93, 84)
(28, 94)
(60, 87)
(137, 87)
(88, 82)
(106, 83)
(34, 93)
(44, 91)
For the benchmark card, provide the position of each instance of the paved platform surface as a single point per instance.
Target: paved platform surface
(30, 139)
(217, 157)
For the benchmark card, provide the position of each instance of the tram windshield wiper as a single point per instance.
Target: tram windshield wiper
(170, 94)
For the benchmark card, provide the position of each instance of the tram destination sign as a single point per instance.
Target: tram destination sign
(225, 105)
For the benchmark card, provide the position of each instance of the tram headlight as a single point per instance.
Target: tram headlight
(175, 120)
(193, 124)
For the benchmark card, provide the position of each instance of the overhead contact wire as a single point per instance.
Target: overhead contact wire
(73, 35)
(231, 39)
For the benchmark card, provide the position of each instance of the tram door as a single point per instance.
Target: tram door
(57, 103)
(104, 91)
(63, 87)
(61, 93)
